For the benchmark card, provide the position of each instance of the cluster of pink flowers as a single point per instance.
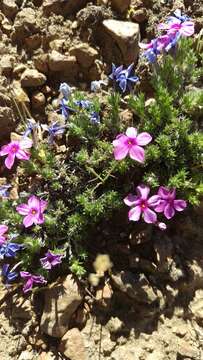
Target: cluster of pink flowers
(141, 204)
(144, 206)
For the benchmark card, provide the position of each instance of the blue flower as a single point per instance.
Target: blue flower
(4, 190)
(179, 16)
(115, 72)
(95, 118)
(53, 130)
(65, 90)
(31, 125)
(83, 104)
(9, 275)
(125, 79)
(173, 41)
(65, 109)
(9, 250)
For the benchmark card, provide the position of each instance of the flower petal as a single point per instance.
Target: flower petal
(161, 206)
(131, 200)
(23, 209)
(28, 220)
(179, 205)
(3, 229)
(149, 216)
(22, 155)
(154, 200)
(169, 211)
(143, 191)
(26, 143)
(28, 285)
(187, 28)
(10, 161)
(5, 150)
(134, 213)
(137, 153)
(43, 205)
(144, 139)
(34, 202)
(131, 132)
(120, 151)
(163, 192)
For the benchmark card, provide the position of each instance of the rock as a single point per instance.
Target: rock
(196, 306)
(25, 24)
(22, 308)
(10, 8)
(18, 70)
(104, 295)
(61, 7)
(140, 15)
(38, 100)
(136, 287)
(126, 35)
(120, 5)
(61, 301)
(6, 65)
(20, 94)
(114, 325)
(26, 355)
(72, 345)
(187, 350)
(7, 120)
(60, 62)
(85, 54)
(41, 63)
(33, 42)
(32, 78)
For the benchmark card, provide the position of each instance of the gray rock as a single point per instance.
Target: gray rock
(136, 287)
(60, 62)
(32, 78)
(61, 301)
(126, 35)
(72, 345)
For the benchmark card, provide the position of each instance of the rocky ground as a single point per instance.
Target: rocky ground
(159, 314)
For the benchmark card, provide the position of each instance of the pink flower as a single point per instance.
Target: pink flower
(141, 204)
(131, 144)
(30, 280)
(160, 43)
(3, 229)
(168, 204)
(33, 211)
(16, 149)
(185, 28)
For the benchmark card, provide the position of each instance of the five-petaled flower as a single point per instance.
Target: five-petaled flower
(131, 144)
(50, 260)
(16, 149)
(168, 203)
(141, 204)
(33, 211)
(30, 280)
(3, 230)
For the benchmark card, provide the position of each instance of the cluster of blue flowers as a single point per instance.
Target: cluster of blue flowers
(123, 77)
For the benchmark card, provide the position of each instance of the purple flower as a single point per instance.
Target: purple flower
(65, 90)
(125, 79)
(4, 190)
(178, 15)
(168, 203)
(33, 211)
(3, 230)
(54, 130)
(141, 205)
(50, 260)
(9, 249)
(16, 149)
(95, 118)
(131, 144)
(9, 275)
(31, 280)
